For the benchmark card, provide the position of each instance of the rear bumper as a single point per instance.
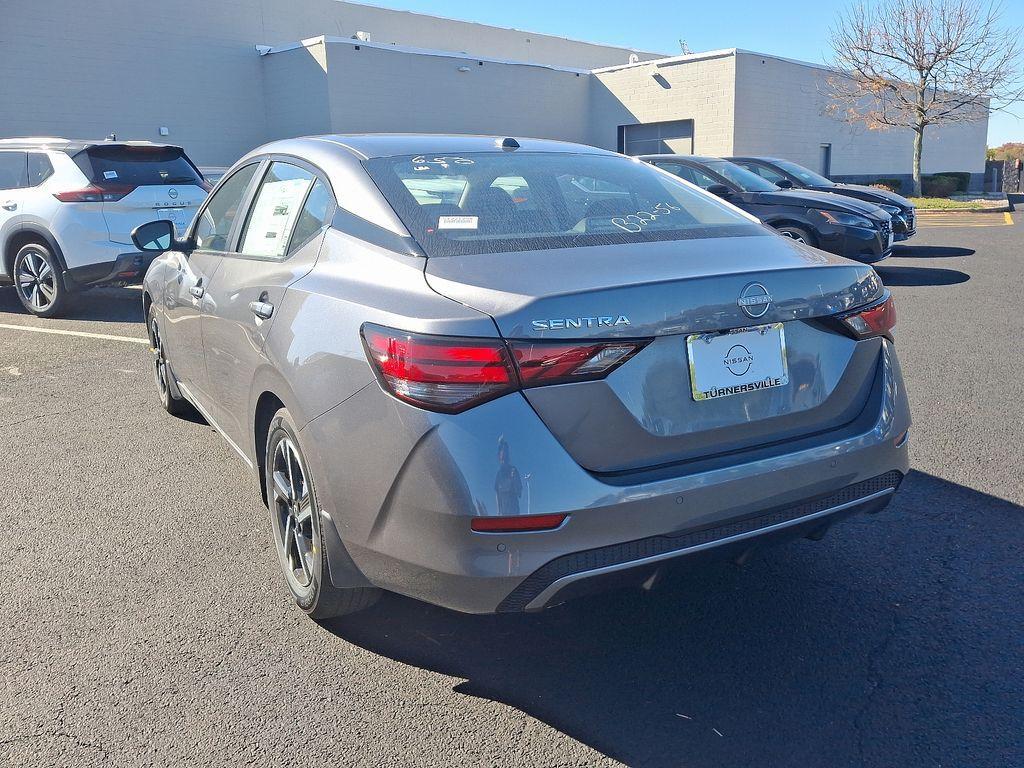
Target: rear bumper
(126, 268)
(404, 514)
(636, 561)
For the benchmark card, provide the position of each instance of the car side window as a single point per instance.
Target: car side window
(214, 226)
(13, 170)
(313, 216)
(39, 169)
(764, 172)
(277, 210)
(690, 174)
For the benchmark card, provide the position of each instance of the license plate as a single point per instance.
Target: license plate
(737, 362)
(181, 217)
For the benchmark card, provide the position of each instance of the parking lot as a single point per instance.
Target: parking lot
(144, 619)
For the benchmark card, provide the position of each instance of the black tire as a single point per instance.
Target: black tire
(800, 234)
(303, 558)
(166, 387)
(39, 281)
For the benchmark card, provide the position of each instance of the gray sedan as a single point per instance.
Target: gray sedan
(494, 374)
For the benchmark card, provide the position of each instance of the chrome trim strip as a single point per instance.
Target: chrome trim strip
(202, 411)
(554, 587)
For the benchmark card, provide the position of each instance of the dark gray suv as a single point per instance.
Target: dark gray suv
(493, 373)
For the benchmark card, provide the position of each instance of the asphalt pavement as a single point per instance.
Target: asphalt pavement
(143, 620)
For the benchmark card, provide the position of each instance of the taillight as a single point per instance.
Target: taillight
(544, 362)
(442, 373)
(877, 320)
(96, 193)
(451, 374)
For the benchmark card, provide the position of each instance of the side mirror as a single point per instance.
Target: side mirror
(720, 189)
(155, 237)
(784, 184)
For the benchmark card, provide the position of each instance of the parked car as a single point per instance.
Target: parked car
(789, 175)
(497, 405)
(67, 210)
(846, 227)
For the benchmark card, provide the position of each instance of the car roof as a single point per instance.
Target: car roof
(682, 158)
(369, 145)
(73, 146)
(762, 158)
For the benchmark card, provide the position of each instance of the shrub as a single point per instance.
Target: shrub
(893, 185)
(962, 178)
(938, 186)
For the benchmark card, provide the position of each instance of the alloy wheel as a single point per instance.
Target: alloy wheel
(294, 510)
(36, 281)
(793, 236)
(159, 360)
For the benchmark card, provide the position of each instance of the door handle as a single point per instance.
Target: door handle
(197, 291)
(264, 310)
(10, 205)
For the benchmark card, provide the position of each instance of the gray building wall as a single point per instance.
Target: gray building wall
(375, 87)
(700, 87)
(781, 110)
(85, 69)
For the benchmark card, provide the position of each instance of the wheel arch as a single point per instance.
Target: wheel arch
(267, 404)
(26, 234)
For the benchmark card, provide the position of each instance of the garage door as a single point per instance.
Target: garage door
(675, 137)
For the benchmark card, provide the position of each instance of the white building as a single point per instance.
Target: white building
(220, 77)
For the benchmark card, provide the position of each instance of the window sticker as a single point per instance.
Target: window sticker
(110, 174)
(457, 222)
(273, 217)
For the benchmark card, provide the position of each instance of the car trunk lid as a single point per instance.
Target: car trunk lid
(644, 413)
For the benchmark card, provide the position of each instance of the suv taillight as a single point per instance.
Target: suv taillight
(96, 193)
(877, 320)
(451, 374)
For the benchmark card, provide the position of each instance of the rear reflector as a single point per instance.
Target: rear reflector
(451, 374)
(96, 193)
(517, 524)
(877, 320)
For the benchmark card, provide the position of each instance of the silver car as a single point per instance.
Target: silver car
(493, 374)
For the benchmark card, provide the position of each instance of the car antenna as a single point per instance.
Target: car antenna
(509, 143)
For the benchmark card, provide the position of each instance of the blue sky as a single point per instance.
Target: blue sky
(793, 28)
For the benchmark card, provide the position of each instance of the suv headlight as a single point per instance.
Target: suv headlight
(847, 219)
(892, 210)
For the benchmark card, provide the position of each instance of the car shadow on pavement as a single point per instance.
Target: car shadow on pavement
(916, 276)
(849, 651)
(104, 305)
(930, 251)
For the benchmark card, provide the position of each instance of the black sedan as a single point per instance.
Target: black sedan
(789, 175)
(844, 226)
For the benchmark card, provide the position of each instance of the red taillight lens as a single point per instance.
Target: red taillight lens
(560, 362)
(877, 320)
(96, 193)
(443, 373)
(516, 523)
(451, 374)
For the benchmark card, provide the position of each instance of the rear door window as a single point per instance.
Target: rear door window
(277, 211)
(13, 170)
(138, 166)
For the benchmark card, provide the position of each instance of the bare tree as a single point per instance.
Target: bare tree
(915, 63)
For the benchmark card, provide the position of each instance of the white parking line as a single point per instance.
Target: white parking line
(59, 332)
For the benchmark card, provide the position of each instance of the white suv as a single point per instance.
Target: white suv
(68, 208)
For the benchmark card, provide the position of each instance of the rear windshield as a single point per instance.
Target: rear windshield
(140, 166)
(521, 201)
